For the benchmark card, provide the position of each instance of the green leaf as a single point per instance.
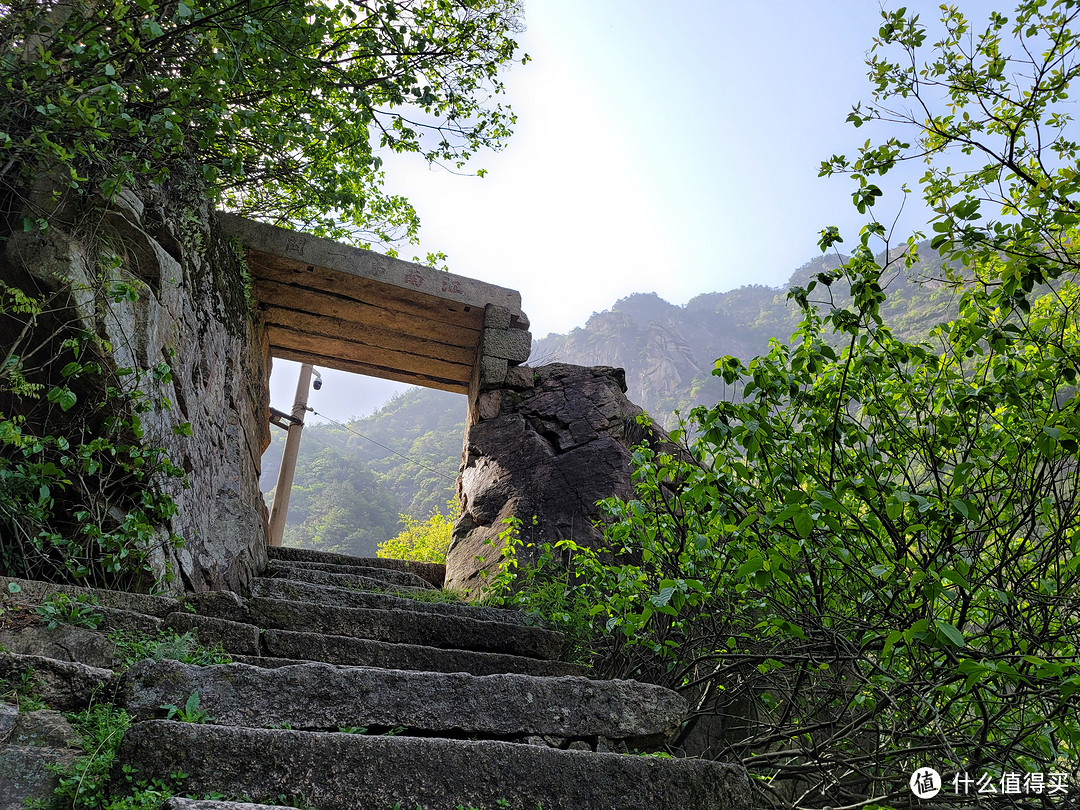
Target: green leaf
(62, 396)
(960, 507)
(974, 670)
(891, 639)
(954, 636)
(804, 524)
(749, 567)
(662, 598)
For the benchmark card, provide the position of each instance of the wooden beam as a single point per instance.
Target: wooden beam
(325, 361)
(285, 339)
(371, 336)
(363, 314)
(287, 249)
(343, 286)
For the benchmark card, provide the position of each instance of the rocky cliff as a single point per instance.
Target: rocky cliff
(164, 291)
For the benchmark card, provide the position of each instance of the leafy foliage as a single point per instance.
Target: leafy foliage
(81, 496)
(549, 588)
(868, 560)
(189, 712)
(167, 645)
(423, 541)
(81, 610)
(283, 106)
(87, 783)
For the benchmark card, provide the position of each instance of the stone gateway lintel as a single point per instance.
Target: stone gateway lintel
(339, 306)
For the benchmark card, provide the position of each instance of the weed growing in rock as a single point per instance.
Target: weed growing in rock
(18, 690)
(545, 589)
(189, 713)
(81, 610)
(434, 595)
(299, 801)
(86, 783)
(82, 497)
(167, 645)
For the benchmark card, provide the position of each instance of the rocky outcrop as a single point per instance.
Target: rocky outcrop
(185, 332)
(545, 447)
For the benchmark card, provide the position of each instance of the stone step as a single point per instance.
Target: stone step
(367, 653)
(397, 626)
(33, 592)
(284, 570)
(334, 771)
(234, 637)
(294, 591)
(177, 803)
(321, 697)
(390, 575)
(434, 573)
(33, 746)
(65, 642)
(68, 686)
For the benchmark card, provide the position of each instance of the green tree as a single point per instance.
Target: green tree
(283, 106)
(989, 112)
(422, 540)
(870, 561)
(281, 110)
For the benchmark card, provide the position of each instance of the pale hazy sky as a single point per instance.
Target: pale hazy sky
(660, 147)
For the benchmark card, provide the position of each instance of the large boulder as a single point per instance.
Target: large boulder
(544, 448)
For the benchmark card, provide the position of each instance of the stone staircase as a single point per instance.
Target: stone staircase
(348, 692)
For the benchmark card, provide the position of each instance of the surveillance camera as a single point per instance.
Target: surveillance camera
(318, 380)
(318, 384)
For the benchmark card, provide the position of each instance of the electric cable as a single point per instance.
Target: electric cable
(384, 447)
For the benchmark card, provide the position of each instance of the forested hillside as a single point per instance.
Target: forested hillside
(349, 491)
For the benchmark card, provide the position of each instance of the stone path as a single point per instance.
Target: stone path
(346, 693)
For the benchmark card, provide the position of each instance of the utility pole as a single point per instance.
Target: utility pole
(288, 459)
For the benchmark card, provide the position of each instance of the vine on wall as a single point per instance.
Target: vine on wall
(82, 497)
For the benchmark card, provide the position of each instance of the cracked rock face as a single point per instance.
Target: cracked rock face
(550, 443)
(191, 313)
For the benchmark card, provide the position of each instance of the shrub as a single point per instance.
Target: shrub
(422, 541)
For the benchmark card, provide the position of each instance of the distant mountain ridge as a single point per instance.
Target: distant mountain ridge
(348, 490)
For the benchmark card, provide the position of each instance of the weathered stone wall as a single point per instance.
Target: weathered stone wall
(548, 443)
(193, 314)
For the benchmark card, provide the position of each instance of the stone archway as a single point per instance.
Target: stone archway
(356, 310)
(542, 445)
